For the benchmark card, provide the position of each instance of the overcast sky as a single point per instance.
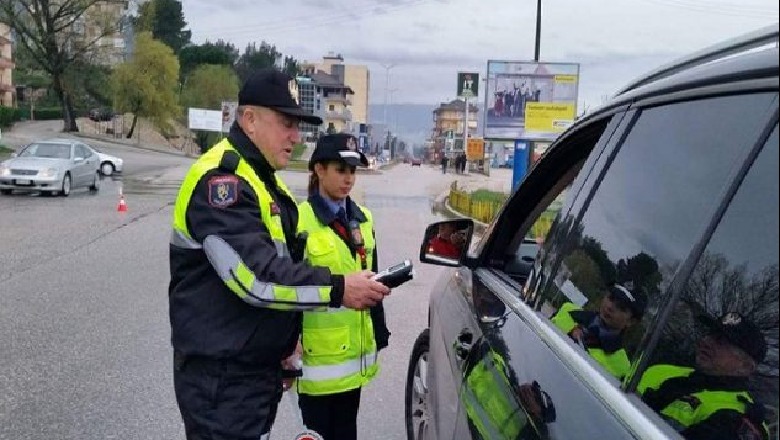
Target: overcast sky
(429, 41)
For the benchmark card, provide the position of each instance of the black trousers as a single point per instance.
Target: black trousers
(333, 416)
(224, 400)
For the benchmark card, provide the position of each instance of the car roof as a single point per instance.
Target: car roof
(56, 141)
(750, 56)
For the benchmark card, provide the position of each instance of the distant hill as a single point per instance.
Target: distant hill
(414, 121)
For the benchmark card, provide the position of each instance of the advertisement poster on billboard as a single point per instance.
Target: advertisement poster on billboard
(203, 119)
(528, 100)
(228, 115)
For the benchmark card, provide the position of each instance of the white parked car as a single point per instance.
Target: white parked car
(52, 166)
(108, 164)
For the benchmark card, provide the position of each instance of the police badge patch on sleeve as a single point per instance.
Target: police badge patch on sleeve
(223, 191)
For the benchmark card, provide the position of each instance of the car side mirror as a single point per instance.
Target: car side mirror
(447, 242)
(14, 155)
(78, 159)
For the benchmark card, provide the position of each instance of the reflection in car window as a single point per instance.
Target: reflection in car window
(646, 214)
(52, 151)
(716, 362)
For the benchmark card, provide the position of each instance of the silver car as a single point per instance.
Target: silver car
(53, 166)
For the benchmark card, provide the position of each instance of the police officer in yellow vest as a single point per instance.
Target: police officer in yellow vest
(340, 346)
(601, 333)
(712, 401)
(238, 283)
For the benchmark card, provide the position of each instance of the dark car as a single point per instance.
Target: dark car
(667, 195)
(101, 114)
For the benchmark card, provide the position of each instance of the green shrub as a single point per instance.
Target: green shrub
(297, 151)
(8, 116)
(42, 114)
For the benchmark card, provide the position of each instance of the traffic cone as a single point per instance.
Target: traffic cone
(122, 207)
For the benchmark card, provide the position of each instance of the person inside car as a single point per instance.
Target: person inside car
(447, 243)
(602, 333)
(711, 400)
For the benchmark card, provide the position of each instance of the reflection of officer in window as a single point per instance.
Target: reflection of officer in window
(601, 333)
(711, 401)
(447, 242)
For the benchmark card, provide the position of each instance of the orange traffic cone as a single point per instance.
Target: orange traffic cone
(122, 207)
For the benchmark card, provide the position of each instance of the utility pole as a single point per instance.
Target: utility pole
(538, 29)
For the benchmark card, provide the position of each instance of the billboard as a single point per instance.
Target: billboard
(468, 85)
(206, 120)
(475, 149)
(529, 100)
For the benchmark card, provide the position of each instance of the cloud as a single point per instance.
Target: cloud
(429, 41)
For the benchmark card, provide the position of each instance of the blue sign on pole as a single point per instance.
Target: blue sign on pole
(520, 165)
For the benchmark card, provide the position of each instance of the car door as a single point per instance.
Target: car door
(82, 166)
(494, 402)
(452, 333)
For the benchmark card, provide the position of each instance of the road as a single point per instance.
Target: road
(86, 351)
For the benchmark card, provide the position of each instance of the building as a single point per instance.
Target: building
(356, 77)
(448, 126)
(310, 101)
(106, 26)
(6, 67)
(334, 101)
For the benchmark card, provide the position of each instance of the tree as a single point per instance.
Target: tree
(54, 35)
(206, 87)
(220, 52)
(146, 85)
(165, 20)
(255, 58)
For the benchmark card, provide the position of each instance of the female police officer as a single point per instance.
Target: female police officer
(339, 346)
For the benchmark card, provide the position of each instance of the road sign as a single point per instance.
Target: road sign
(475, 149)
(468, 84)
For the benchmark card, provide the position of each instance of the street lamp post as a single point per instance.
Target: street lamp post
(387, 68)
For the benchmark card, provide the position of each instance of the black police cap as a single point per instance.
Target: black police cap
(271, 88)
(740, 332)
(338, 147)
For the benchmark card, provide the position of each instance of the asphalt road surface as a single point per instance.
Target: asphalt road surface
(84, 311)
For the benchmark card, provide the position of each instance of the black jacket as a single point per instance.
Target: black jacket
(207, 318)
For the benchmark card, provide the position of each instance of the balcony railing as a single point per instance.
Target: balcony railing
(337, 98)
(345, 115)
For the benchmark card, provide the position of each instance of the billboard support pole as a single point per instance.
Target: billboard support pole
(538, 29)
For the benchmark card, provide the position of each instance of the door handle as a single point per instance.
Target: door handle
(463, 344)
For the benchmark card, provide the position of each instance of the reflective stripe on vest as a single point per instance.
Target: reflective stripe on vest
(225, 260)
(339, 350)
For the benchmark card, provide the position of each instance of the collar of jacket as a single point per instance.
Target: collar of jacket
(247, 149)
(326, 216)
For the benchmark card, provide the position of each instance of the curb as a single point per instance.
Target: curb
(136, 146)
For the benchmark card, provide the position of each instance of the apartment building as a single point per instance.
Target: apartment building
(356, 77)
(449, 121)
(334, 100)
(106, 26)
(6, 67)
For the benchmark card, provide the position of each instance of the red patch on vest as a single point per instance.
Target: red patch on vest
(274, 208)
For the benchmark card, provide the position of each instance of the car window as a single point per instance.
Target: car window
(660, 189)
(82, 152)
(47, 150)
(722, 334)
(527, 238)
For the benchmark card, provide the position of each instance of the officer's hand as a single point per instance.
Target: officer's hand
(360, 291)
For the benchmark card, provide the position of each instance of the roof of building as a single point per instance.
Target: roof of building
(455, 105)
(331, 81)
